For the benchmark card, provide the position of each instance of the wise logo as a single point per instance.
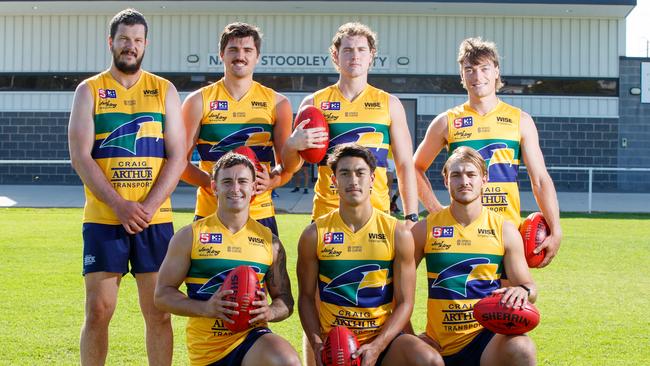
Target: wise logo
(107, 93)
(362, 286)
(463, 122)
(330, 106)
(469, 275)
(219, 105)
(210, 238)
(334, 238)
(442, 231)
(501, 161)
(126, 135)
(212, 285)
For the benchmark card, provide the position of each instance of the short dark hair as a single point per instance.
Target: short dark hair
(229, 160)
(128, 17)
(351, 150)
(240, 30)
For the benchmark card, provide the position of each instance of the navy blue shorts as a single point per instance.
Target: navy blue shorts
(236, 356)
(268, 222)
(471, 354)
(109, 248)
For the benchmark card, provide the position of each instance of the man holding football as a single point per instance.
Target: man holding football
(467, 247)
(504, 136)
(204, 252)
(359, 260)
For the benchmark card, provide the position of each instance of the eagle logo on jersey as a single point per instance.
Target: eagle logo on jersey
(126, 135)
(502, 165)
(366, 136)
(347, 285)
(247, 136)
(456, 277)
(213, 284)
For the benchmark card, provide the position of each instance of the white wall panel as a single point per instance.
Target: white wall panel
(539, 106)
(540, 46)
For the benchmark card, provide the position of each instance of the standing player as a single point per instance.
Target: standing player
(357, 112)
(127, 145)
(237, 111)
(501, 133)
(203, 253)
(360, 262)
(466, 247)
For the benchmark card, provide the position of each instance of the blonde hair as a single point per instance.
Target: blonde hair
(465, 154)
(474, 50)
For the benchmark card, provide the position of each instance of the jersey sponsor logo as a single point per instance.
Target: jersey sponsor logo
(376, 236)
(329, 252)
(463, 122)
(501, 162)
(255, 241)
(456, 277)
(504, 120)
(125, 136)
(213, 284)
(334, 237)
(236, 139)
(366, 136)
(330, 106)
(150, 92)
(442, 232)
(107, 93)
(258, 105)
(486, 232)
(219, 105)
(372, 105)
(462, 135)
(130, 102)
(348, 284)
(210, 238)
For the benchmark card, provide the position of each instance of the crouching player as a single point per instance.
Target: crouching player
(203, 253)
(360, 260)
(466, 247)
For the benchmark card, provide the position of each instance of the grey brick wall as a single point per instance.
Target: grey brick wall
(579, 142)
(35, 136)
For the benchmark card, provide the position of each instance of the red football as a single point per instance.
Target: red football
(534, 230)
(243, 281)
(250, 154)
(510, 321)
(339, 346)
(316, 119)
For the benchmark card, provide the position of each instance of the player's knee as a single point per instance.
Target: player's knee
(521, 349)
(425, 356)
(284, 358)
(98, 312)
(155, 317)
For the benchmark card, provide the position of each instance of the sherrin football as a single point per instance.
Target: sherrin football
(491, 314)
(243, 281)
(250, 154)
(339, 346)
(316, 119)
(533, 231)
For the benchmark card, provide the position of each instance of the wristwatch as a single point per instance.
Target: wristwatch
(411, 217)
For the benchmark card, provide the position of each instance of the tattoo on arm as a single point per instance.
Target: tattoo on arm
(277, 279)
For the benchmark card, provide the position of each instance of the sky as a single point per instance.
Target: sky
(638, 30)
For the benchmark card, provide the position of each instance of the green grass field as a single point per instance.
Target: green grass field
(592, 297)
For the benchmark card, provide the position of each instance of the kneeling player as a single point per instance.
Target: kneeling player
(466, 247)
(361, 261)
(203, 253)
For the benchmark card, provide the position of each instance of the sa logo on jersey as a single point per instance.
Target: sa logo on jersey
(330, 106)
(210, 238)
(443, 232)
(107, 93)
(463, 122)
(219, 105)
(334, 238)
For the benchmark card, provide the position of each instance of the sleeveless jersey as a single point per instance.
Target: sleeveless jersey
(227, 124)
(129, 142)
(366, 121)
(464, 265)
(355, 279)
(215, 252)
(496, 137)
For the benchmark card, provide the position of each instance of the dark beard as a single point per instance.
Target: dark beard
(129, 69)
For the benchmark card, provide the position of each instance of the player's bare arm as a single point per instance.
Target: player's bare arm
(174, 150)
(172, 273)
(281, 132)
(402, 147)
(301, 139)
(81, 137)
(434, 141)
(520, 280)
(279, 288)
(307, 287)
(403, 296)
(192, 112)
(542, 185)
